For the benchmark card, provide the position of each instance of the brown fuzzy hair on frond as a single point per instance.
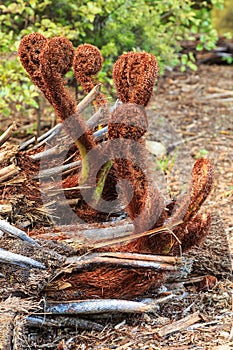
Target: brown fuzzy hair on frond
(202, 182)
(29, 51)
(128, 121)
(55, 61)
(87, 63)
(134, 75)
(201, 185)
(47, 61)
(106, 282)
(196, 230)
(127, 125)
(194, 226)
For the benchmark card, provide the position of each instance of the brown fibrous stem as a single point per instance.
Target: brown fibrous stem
(195, 225)
(56, 60)
(144, 205)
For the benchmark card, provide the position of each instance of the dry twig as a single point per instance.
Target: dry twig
(8, 172)
(154, 262)
(62, 322)
(180, 324)
(7, 134)
(14, 231)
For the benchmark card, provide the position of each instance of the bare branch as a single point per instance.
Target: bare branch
(20, 260)
(89, 98)
(8, 172)
(14, 231)
(61, 321)
(58, 169)
(97, 306)
(160, 263)
(7, 134)
(65, 145)
(179, 325)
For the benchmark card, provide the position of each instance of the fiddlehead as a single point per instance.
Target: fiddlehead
(134, 75)
(55, 61)
(29, 51)
(87, 63)
(194, 226)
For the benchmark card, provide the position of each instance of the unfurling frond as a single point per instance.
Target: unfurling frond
(202, 182)
(87, 63)
(134, 75)
(128, 121)
(29, 51)
(195, 225)
(55, 61)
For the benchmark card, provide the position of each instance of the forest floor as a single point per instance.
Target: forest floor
(192, 115)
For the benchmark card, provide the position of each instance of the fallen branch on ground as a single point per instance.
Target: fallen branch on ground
(20, 260)
(7, 134)
(179, 325)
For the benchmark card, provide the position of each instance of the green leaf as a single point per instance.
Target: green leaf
(184, 59)
(199, 47)
(182, 68)
(192, 66)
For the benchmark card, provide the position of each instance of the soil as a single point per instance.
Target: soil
(191, 114)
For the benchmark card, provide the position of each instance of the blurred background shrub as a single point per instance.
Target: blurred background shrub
(115, 26)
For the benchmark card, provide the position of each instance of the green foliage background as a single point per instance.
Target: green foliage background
(223, 19)
(115, 26)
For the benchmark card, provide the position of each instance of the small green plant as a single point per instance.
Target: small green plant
(228, 59)
(201, 153)
(188, 61)
(166, 163)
